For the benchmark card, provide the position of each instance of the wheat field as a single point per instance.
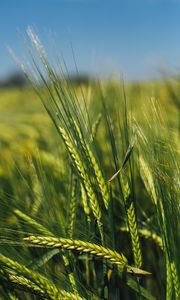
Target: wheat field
(90, 188)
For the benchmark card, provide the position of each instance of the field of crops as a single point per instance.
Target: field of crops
(89, 187)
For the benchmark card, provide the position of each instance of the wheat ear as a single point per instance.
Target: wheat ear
(175, 280)
(86, 247)
(79, 165)
(95, 126)
(85, 202)
(31, 222)
(169, 281)
(36, 188)
(132, 224)
(39, 280)
(133, 229)
(45, 231)
(72, 207)
(100, 179)
(149, 235)
(97, 171)
(147, 179)
(22, 282)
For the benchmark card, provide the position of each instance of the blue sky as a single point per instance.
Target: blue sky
(130, 37)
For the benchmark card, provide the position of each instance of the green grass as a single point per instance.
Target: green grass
(89, 189)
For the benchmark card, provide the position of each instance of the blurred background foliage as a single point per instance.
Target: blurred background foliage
(34, 163)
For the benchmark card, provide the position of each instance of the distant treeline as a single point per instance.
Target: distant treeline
(18, 79)
(15, 79)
